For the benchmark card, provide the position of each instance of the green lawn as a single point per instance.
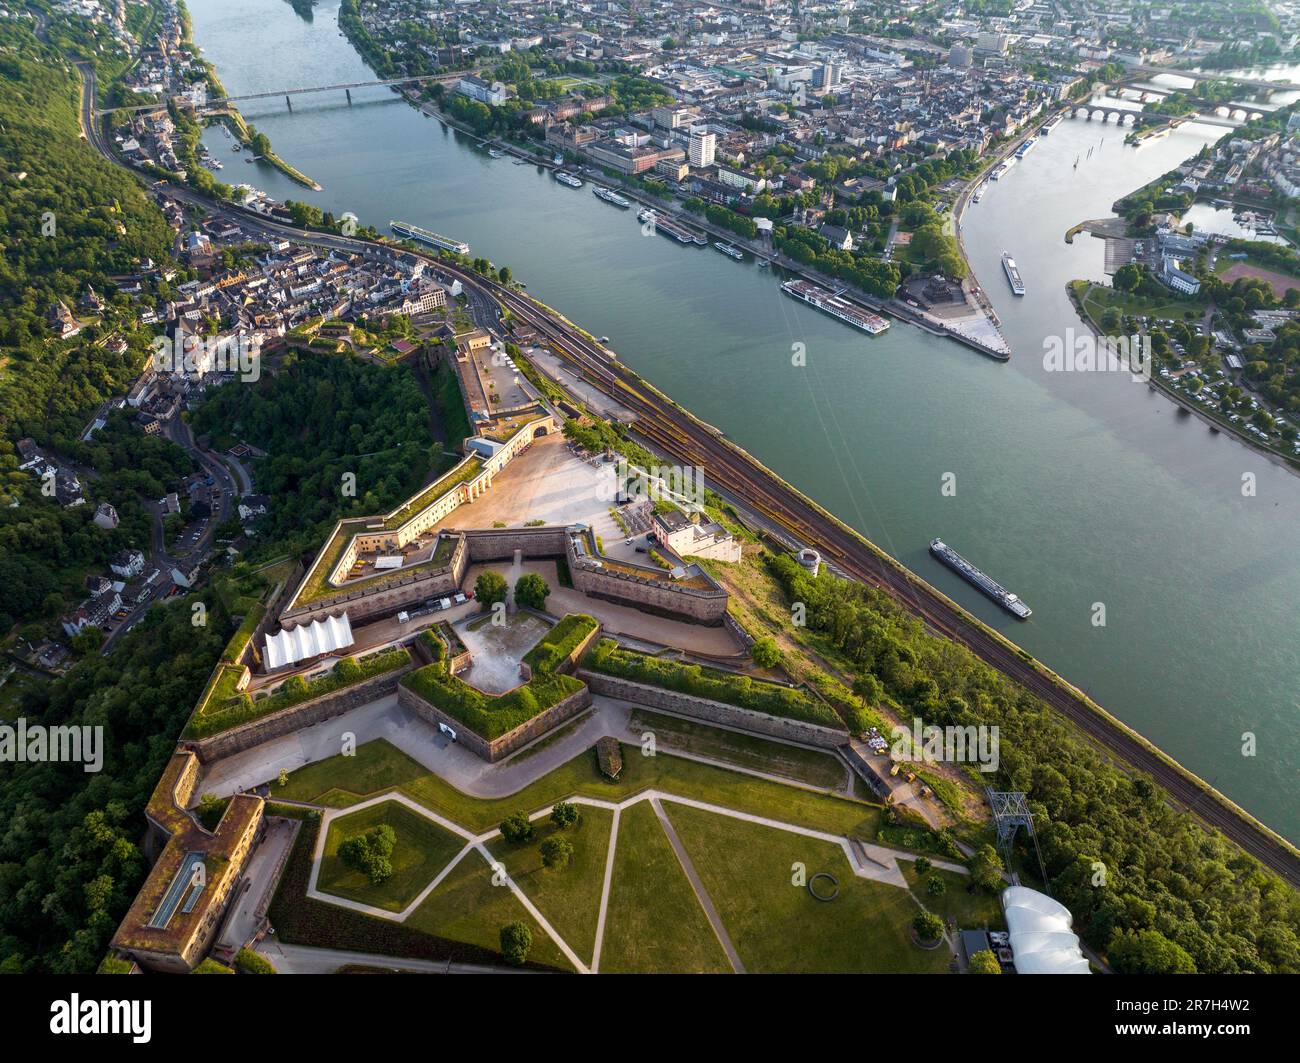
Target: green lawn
(1099, 299)
(570, 898)
(809, 766)
(971, 910)
(777, 926)
(467, 907)
(423, 849)
(379, 766)
(654, 921)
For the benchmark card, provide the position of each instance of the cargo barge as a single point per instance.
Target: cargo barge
(979, 580)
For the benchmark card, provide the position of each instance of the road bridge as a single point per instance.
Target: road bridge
(1195, 75)
(347, 87)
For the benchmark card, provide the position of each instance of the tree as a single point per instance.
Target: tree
(1127, 277)
(922, 865)
(490, 588)
(984, 962)
(531, 590)
(556, 853)
(87, 640)
(516, 940)
(564, 814)
(516, 828)
(928, 926)
(986, 868)
(1148, 952)
(935, 886)
(766, 653)
(370, 852)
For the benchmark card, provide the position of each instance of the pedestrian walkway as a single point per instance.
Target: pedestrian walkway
(876, 862)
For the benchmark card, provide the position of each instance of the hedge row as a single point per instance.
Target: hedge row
(218, 715)
(487, 715)
(740, 690)
(559, 643)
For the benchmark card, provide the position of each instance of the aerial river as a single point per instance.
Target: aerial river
(1075, 490)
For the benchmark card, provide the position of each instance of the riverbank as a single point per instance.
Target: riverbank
(1157, 383)
(894, 308)
(230, 116)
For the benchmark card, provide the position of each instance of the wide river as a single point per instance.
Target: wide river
(1075, 490)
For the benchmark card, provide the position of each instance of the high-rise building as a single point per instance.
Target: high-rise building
(826, 76)
(703, 146)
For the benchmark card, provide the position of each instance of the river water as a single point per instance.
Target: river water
(1075, 490)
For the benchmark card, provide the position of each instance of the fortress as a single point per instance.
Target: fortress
(369, 570)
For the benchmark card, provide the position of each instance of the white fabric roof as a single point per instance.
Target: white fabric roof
(1042, 941)
(296, 644)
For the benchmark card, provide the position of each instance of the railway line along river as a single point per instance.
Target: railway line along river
(1081, 492)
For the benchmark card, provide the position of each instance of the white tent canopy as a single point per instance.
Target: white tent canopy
(309, 640)
(1042, 941)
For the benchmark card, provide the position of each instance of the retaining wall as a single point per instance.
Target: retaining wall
(294, 718)
(497, 748)
(709, 711)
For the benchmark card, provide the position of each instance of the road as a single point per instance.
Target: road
(757, 490)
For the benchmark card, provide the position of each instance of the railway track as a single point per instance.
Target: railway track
(686, 440)
(680, 437)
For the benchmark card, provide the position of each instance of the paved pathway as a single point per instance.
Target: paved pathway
(604, 891)
(876, 862)
(701, 894)
(302, 959)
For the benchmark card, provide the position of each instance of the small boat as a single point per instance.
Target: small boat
(496, 153)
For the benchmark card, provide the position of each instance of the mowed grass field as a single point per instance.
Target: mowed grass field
(422, 850)
(468, 906)
(654, 921)
(569, 898)
(971, 910)
(379, 766)
(777, 926)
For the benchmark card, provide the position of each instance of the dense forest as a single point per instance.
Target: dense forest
(1170, 896)
(320, 417)
(69, 858)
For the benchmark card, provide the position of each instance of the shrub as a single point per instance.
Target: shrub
(928, 926)
(922, 865)
(765, 653)
(984, 962)
(740, 690)
(249, 962)
(935, 886)
(564, 814)
(559, 643)
(516, 940)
